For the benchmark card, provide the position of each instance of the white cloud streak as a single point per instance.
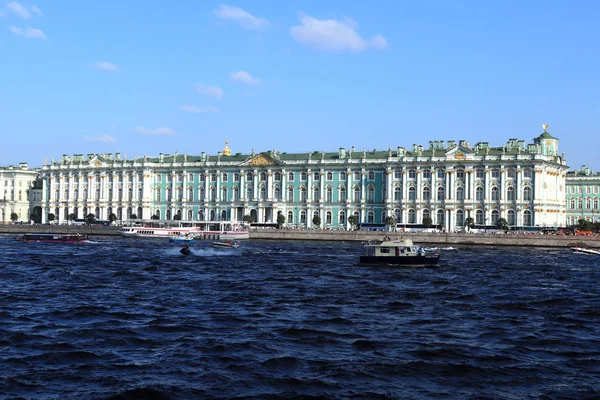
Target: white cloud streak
(199, 110)
(161, 130)
(333, 35)
(20, 11)
(105, 66)
(210, 90)
(101, 139)
(242, 17)
(244, 77)
(29, 32)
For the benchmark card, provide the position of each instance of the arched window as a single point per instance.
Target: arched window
(342, 176)
(190, 194)
(527, 193)
(290, 196)
(236, 193)
(303, 194)
(357, 176)
(303, 217)
(316, 176)
(236, 177)
(527, 218)
(479, 193)
(249, 176)
(440, 193)
(212, 215)
(316, 193)
(290, 217)
(98, 194)
(277, 176)
(510, 193)
(329, 176)
(263, 176)
(290, 176)
(370, 217)
(342, 218)
(263, 193)
(249, 192)
(495, 217)
(303, 176)
(460, 218)
(371, 194)
(328, 195)
(460, 194)
(440, 217)
(495, 193)
(479, 217)
(356, 193)
(398, 215)
(371, 175)
(426, 214)
(412, 216)
(213, 194)
(223, 194)
(277, 193)
(328, 217)
(512, 218)
(342, 193)
(412, 193)
(201, 193)
(397, 193)
(426, 193)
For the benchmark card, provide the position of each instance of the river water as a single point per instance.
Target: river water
(123, 318)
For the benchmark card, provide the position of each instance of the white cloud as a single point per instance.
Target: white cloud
(105, 66)
(32, 33)
(199, 110)
(161, 130)
(244, 18)
(209, 90)
(20, 11)
(102, 139)
(333, 35)
(244, 77)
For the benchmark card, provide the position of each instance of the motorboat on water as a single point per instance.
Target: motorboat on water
(584, 250)
(54, 237)
(182, 238)
(226, 243)
(400, 252)
(185, 250)
(201, 230)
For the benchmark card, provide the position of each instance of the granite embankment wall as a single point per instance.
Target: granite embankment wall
(448, 239)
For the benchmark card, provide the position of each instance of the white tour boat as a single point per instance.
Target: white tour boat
(201, 230)
(584, 250)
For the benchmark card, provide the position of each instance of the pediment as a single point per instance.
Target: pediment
(459, 153)
(261, 160)
(96, 161)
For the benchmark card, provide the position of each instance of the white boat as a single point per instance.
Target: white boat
(226, 243)
(584, 250)
(398, 252)
(200, 230)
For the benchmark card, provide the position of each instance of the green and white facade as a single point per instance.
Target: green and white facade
(583, 196)
(448, 182)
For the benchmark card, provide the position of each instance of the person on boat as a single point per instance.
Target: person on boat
(420, 251)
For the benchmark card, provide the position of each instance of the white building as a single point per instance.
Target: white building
(16, 183)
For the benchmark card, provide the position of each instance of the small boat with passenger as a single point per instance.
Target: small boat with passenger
(54, 237)
(585, 250)
(400, 252)
(226, 243)
(182, 238)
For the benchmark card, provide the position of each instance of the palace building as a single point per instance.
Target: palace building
(444, 182)
(583, 196)
(16, 184)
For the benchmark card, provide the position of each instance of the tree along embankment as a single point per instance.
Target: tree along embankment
(449, 239)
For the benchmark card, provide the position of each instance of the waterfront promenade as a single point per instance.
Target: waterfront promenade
(449, 239)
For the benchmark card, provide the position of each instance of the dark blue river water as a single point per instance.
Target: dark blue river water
(123, 318)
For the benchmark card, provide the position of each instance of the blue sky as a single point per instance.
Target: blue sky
(156, 77)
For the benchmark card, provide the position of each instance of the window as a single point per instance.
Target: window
(527, 218)
(249, 176)
(370, 217)
(412, 174)
(316, 176)
(441, 173)
(495, 173)
(356, 194)
(329, 176)
(479, 196)
(479, 217)
(342, 176)
(510, 193)
(303, 217)
(191, 177)
(426, 174)
(397, 174)
(512, 218)
(412, 216)
(527, 194)
(460, 193)
(342, 218)
(290, 194)
(236, 177)
(460, 174)
(223, 194)
(371, 175)
(329, 195)
(263, 176)
(213, 194)
(527, 174)
(277, 193)
(263, 193)
(290, 218)
(495, 193)
(190, 194)
(412, 194)
(224, 177)
(572, 204)
(303, 176)
(342, 193)
(426, 193)
(236, 194)
(328, 217)
(291, 176)
(397, 193)
(479, 173)
(357, 176)
(511, 173)
(316, 193)
(249, 193)
(495, 217)
(371, 194)
(277, 176)
(460, 218)
(440, 193)
(303, 194)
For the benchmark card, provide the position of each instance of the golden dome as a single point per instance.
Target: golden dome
(226, 150)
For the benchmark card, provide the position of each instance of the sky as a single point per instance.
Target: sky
(143, 78)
